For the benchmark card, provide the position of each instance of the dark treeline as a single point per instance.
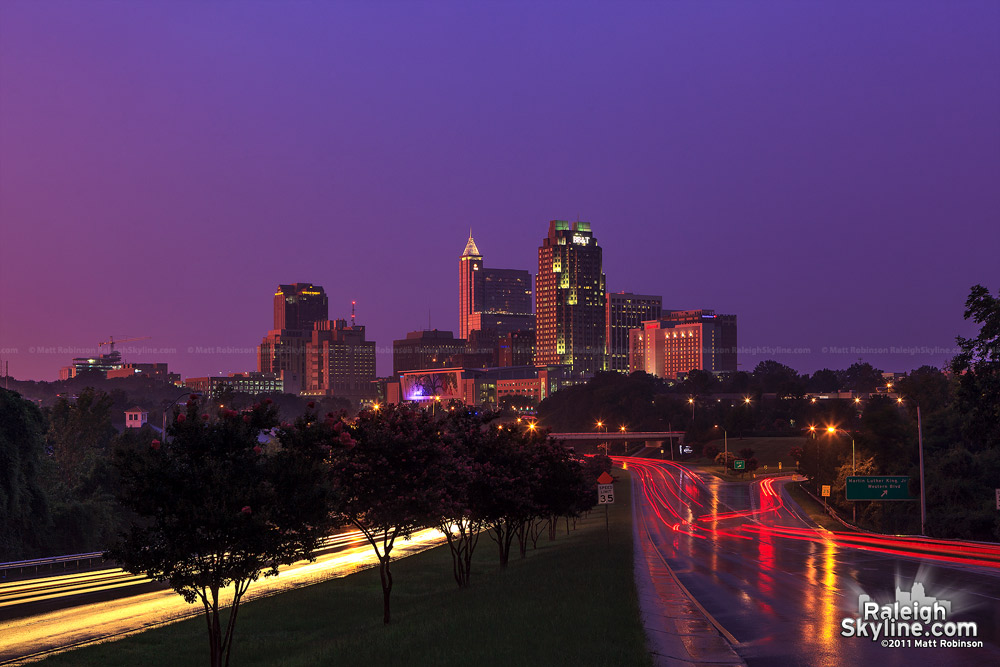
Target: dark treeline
(57, 482)
(216, 505)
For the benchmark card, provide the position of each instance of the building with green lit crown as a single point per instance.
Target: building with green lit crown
(570, 300)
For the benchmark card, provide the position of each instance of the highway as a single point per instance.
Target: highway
(781, 587)
(50, 614)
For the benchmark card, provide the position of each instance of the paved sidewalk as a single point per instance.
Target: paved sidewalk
(678, 633)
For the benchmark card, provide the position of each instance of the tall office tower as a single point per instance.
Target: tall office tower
(340, 362)
(470, 290)
(299, 306)
(626, 311)
(682, 341)
(570, 300)
(494, 299)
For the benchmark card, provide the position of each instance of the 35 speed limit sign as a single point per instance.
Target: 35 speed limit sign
(605, 494)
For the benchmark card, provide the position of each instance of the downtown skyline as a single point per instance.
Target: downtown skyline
(826, 173)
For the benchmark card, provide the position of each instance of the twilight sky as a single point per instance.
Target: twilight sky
(829, 172)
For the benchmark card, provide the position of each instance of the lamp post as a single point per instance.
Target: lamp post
(172, 404)
(725, 456)
(833, 430)
(691, 401)
(625, 442)
(920, 449)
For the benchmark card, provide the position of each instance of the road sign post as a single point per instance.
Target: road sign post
(606, 496)
(825, 492)
(739, 464)
(998, 499)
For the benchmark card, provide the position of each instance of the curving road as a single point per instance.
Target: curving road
(781, 587)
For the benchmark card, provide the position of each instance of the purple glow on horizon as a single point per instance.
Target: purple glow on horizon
(827, 172)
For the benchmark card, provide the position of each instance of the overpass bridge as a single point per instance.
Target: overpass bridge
(651, 439)
(619, 436)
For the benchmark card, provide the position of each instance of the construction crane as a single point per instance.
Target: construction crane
(111, 342)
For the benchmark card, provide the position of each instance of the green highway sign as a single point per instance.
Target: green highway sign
(739, 464)
(878, 488)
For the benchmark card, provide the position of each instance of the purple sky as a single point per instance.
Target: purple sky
(829, 172)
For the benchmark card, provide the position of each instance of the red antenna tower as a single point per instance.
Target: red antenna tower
(352, 312)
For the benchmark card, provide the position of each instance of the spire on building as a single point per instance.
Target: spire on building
(470, 248)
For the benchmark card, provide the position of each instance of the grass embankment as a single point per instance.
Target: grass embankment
(814, 509)
(769, 452)
(572, 601)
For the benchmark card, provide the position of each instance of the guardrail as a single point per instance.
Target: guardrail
(51, 561)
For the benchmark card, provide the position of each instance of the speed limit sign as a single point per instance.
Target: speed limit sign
(605, 494)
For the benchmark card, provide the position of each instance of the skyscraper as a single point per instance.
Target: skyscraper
(495, 299)
(299, 306)
(570, 299)
(626, 311)
(470, 295)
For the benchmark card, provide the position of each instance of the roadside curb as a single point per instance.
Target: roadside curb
(679, 631)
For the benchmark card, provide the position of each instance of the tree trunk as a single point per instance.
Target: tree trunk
(214, 630)
(522, 539)
(386, 575)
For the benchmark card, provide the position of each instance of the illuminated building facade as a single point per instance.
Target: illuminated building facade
(475, 386)
(570, 311)
(284, 352)
(426, 349)
(491, 299)
(340, 362)
(244, 383)
(297, 308)
(682, 341)
(627, 311)
(516, 349)
(300, 306)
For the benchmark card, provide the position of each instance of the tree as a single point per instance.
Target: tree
(978, 369)
(79, 478)
(217, 510)
(23, 504)
(823, 381)
(773, 377)
(861, 378)
(392, 483)
(460, 519)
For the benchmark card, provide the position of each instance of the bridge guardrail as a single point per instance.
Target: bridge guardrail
(51, 561)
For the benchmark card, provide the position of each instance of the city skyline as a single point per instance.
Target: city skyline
(824, 173)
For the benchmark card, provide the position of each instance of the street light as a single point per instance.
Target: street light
(725, 456)
(833, 430)
(920, 447)
(691, 401)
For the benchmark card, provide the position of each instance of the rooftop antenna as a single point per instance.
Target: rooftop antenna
(352, 312)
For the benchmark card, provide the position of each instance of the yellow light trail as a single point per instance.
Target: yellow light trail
(31, 638)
